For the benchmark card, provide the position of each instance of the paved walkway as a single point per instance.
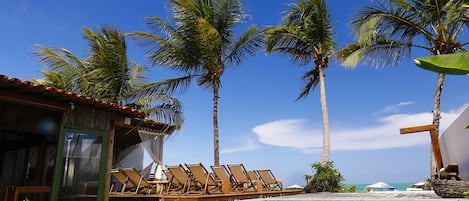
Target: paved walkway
(390, 195)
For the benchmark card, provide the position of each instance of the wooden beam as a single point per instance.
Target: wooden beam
(434, 139)
(416, 129)
(33, 101)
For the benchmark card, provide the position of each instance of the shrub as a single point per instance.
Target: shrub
(325, 178)
(348, 189)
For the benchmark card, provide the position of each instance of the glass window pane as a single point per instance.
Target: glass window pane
(81, 159)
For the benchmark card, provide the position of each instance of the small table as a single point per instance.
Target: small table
(162, 184)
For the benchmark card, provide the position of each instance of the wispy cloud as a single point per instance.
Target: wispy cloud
(247, 145)
(383, 133)
(395, 108)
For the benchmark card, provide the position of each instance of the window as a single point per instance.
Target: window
(81, 161)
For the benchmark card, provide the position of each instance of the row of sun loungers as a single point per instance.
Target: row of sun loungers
(195, 178)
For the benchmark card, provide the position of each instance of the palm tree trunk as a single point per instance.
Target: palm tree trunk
(436, 114)
(216, 152)
(325, 118)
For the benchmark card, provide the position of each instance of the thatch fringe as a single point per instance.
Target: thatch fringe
(86, 117)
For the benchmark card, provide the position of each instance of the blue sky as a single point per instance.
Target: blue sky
(261, 124)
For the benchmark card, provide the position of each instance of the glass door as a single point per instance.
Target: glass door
(82, 157)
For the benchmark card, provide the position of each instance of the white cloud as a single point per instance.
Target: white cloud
(394, 108)
(247, 145)
(381, 134)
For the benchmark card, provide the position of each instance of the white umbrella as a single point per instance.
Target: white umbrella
(380, 186)
(294, 186)
(418, 185)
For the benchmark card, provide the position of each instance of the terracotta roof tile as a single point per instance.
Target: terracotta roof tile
(59, 94)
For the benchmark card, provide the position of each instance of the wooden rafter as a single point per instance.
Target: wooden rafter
(434, 139)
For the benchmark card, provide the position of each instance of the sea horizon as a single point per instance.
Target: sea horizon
(402, 186)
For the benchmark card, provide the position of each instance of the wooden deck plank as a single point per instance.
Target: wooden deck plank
(196, 197)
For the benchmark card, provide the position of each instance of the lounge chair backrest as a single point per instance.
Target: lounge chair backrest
(169, 177)
(122, 178)
(239, 173)
(179, 173)
(267, 176)
(221, 172)
(135, 177)
(201, 174)
(268, 179)
(252, 175)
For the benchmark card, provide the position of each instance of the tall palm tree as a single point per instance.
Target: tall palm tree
(200, 42)
(306, 36)
(106, 74)
(387, 32)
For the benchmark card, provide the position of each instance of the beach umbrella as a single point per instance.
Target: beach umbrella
(456, 63)
(294, 186)
(418, 185)
(380, 186)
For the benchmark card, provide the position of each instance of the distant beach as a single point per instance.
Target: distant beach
(398, 186)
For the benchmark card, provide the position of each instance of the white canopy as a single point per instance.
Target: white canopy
(295, 186)
(381, 186)
(418, 185)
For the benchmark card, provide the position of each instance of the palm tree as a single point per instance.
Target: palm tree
(386, 34)
(306, 36)
(107, 75)
(200, 42)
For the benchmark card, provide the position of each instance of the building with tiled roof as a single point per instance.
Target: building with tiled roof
(61, 142)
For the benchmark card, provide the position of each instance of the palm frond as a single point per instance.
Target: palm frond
(311, 80)
(249, 42)
(168, 86)
(65, 63)
(379, 53)
(163, 108)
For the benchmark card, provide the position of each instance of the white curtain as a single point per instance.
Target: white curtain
(152, 141)
(131, 157)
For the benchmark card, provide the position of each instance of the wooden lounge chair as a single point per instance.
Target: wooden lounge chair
(182, 176)
(222, 174)
(268, 180)
(134, 176)
(120, 177)
(204, 178)
(173, 184)
(240, 175)
(253, 175)
(130, 179)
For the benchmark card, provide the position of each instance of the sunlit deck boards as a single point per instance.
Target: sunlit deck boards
(195, 197)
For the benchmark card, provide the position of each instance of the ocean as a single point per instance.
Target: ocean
(397, 186)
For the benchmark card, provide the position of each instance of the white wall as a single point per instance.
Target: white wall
(454, 144)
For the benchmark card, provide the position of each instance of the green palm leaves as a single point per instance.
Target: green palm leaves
(199, 42)
(105, 73)
(387, 33)
(306, 36)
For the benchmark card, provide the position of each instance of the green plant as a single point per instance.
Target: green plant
(428, 184)
(348, 189)
(466, 194)
(326, 178)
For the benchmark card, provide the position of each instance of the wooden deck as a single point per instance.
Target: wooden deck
(197, 197)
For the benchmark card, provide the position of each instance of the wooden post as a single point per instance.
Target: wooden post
(434, 139)
(110, 148)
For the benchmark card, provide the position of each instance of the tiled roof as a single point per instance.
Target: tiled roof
(39, 90)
